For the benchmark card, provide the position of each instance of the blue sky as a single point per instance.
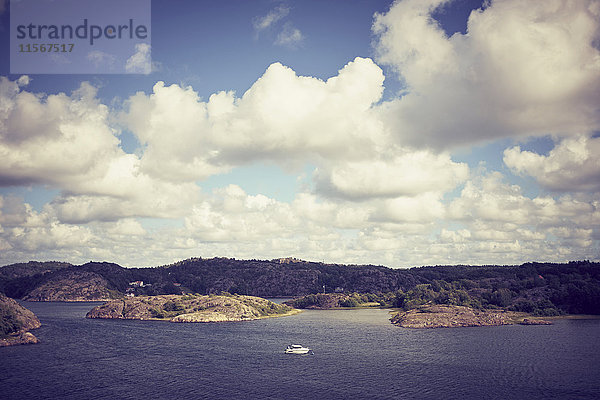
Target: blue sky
(398, 133)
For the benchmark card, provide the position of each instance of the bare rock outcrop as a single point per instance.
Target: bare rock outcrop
(15, 322)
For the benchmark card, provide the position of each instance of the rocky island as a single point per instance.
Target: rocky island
(451, 316)
(191, 308)
(15, 323)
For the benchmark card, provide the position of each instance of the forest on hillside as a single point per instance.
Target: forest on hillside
(539, 288)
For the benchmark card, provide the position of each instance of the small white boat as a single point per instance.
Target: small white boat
(296, 349)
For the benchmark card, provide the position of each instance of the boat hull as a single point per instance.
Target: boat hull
(297, 351)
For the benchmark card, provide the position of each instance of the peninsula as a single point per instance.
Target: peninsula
(191, 308)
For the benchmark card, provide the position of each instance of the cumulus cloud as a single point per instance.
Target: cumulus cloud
(489, 198)
(522, 69)
(66, 142)
(127, 227)
(283, 117)
(383, 171)
(54, 138)
(424, 208)
(233, 215)
(491, 204)
(487, 227)
(495, 220)
(573, 164)
(146, 198)
(25, 230)
(309, 225)
(407, 174)
(324, 212)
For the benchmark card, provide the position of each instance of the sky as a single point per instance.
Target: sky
(398, 133)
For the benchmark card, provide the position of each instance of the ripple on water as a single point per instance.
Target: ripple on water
(358, 354)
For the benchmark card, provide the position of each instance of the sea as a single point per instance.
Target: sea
(357, 354)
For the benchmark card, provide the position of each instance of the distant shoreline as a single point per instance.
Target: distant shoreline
(569, 316)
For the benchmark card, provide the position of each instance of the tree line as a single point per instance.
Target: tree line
(538, 288)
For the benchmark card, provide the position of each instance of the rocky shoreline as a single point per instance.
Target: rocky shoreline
(16, 321)
(449, 316)
(191, 308)
(20, 338)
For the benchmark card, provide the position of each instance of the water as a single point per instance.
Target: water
(358, 354)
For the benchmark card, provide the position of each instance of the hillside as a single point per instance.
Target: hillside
(72, 285)
(26, 270)
(88, 282)
(216, 275)
(543, 289)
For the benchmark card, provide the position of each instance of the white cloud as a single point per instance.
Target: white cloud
(140, 62)
(67, 142)
(328, 213)
(127, 227)
(395, 232)
(495, 212)
(573, 164)
(412, 43)
(27, 230)
(232, 215)
(522, 69)
(52, 139)
(101, 59)
(425, 208)
(23, 80)
(290, 36)
(282, 117)
(155, 199)
(488, 198)
(378, 195)
(406, 174)
(272, 17)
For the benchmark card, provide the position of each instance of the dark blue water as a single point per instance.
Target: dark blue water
(358, 354)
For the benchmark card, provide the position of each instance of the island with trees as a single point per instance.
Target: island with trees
(497, 294)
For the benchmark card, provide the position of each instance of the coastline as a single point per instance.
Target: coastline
(15, 323)
(569, 316)
(18, 339)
